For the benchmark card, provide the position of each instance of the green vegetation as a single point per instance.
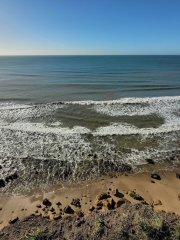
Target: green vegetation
(100, 228)
(68, 226)
(122, 233)
(137, 197)
(100, 222)
(176, 233)
(155, 228)
(38, 234)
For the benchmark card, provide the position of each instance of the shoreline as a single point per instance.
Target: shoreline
(166, 190)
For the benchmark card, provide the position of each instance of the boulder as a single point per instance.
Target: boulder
(178, 175)
(2, 183)
(68, 209)
(91, 208)
(155, 176)
(58, 203)
(114, 191)
(101, 196)
(38, 206)
(150, 161)
(51, 209)
(156, 202)
(13, 220)
(46, 202)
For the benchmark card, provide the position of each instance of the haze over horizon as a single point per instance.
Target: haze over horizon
(89, 27)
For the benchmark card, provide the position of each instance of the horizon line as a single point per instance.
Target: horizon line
(15, 55)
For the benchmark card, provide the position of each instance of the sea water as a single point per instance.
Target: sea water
(70, 118)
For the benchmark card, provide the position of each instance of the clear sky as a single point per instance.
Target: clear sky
(40, 27)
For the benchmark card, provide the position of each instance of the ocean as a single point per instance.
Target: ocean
(66, 119)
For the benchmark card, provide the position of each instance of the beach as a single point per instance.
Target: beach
(67, 142)
(166, 190)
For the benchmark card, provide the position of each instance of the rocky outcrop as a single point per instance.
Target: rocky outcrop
(101, 196)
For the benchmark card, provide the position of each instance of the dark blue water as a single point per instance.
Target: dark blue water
(43, 79)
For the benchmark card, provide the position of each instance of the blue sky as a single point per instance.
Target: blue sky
(48, 27)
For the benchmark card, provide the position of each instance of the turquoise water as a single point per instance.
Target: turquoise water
(45, 79)
(72, 118)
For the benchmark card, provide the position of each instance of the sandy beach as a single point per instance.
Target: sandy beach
(166, 190)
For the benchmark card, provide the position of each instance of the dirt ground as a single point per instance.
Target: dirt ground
(126, 222)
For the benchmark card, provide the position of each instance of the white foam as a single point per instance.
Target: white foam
(126, 100)
(127, 129)
(42, 128)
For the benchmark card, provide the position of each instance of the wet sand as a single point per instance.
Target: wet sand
(166, 190)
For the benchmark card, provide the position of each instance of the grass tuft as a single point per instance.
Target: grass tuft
(38, 234)
(122, 233)
(155, 228)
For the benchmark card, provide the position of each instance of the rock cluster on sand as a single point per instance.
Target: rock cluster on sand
(105, 202)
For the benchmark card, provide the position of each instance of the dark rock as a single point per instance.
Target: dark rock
(76, 202)
(51, 209)
(90, 154)
(91, 208)
(155, 176)
(178, 175)
(150, 161)
(68, 209)
(13, 220)
(152, 181)
(57, 216)
(46, 202)
(58, 203)
(15, 176)
(38, 206)
(2, 183)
